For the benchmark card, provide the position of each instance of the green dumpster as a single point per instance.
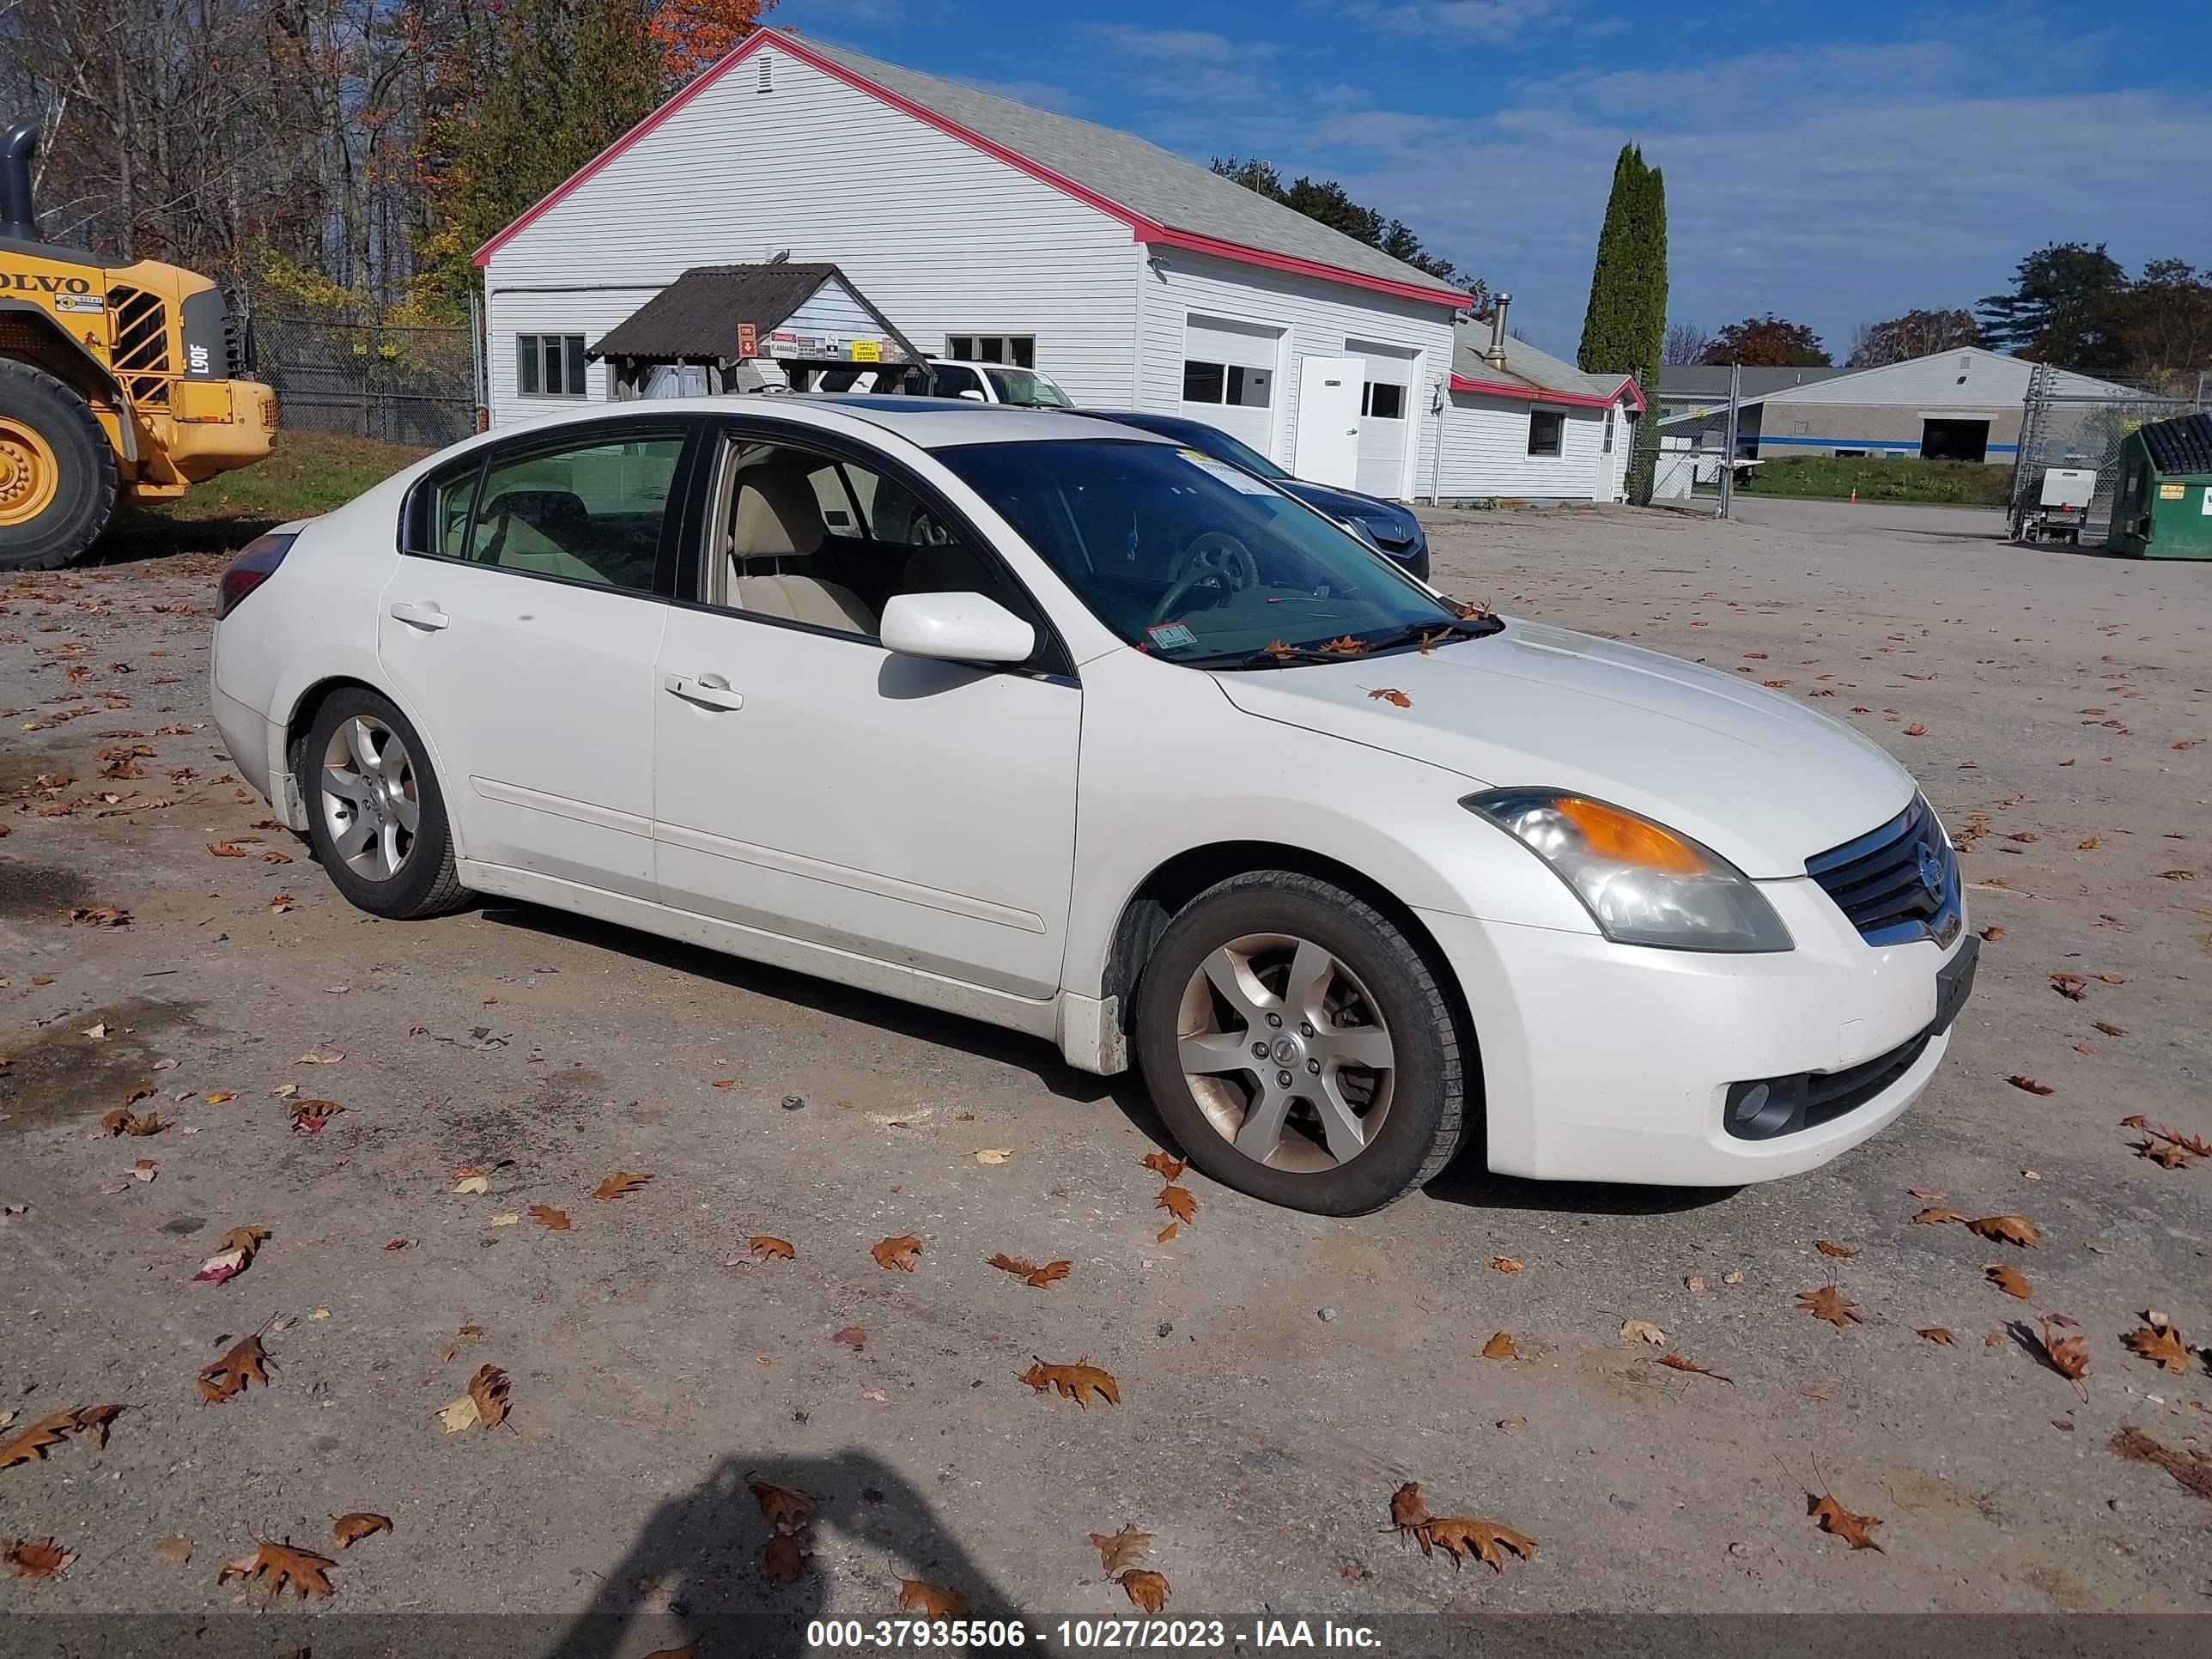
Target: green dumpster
(2163, 507)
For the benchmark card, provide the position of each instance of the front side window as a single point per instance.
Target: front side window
(549, 365)
(1193, 560)
(1546, 431)
(589, 510)
(951, 380)
(1029, 391)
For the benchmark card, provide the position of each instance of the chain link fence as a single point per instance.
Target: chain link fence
(2064, 429)
(406, 385)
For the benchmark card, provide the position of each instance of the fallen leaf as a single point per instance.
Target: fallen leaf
(1827, 1302)
(2023, 835)
(1458, 1537)
(1145, 1587)
(1936, 1333)
(1029, 1273)
(1680, 1363)
(781, 1561)
(120, 1121)
(282, 1565)
(2193, 1470)
(39, 1557)
(308, 1116)
(236, 1255)
(508, 1220)
(350, 1529)
(243, 1364)
(1119, 1551)
(220, 1095)
(1167, 1233)
(765, 1246)
(177, 1550)
(726, 1082)
(547, 1217)
(1506, 1264)
(994, 1155)
(31, 1445)
(1856, 1530)
(488, 1388)
(480, 1185)
(854, 1337)
(459, 1414)
(1177, 1202)
(2029, 1083)
(620, 1184)
(1643, 1330)
(898, 1252)
(2177, 875)
(1916, 730)
(931, 1601)
(1991, 935)
(1165, 1167)
(101, 915)
(2010, 1229)
(2008, 1280)
(1735, 1276)
(1076, 1381)
(1391, 694)
(786, 1508)
(1501, 1347)
(1930, 1217)
(2072, 987)
(2109, 1030)
(331, 1059)
(1826, 1249)
(2067, 1355)
(2156, 1340)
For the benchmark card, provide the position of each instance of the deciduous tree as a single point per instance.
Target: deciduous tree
(1768, 341)
(1916, 334)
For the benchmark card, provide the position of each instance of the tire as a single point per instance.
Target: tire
(1263, 924)
(56, 470)
(389, 869)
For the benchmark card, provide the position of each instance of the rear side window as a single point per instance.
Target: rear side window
(436, 521)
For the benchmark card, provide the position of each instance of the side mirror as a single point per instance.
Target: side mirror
(973, 396)
(955, 628)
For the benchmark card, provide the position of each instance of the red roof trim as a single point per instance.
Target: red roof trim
(1146, 230)
(1535, 393)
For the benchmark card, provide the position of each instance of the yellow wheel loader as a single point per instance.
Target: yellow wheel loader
(116, 382)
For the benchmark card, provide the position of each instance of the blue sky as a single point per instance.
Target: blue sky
(1836, 163)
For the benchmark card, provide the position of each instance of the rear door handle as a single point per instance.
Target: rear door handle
(707, 691)
(423, 614)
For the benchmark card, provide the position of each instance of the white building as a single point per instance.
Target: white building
(983, 227)
(1521, 424)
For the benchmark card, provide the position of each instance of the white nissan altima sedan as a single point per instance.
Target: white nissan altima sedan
(1054, 724)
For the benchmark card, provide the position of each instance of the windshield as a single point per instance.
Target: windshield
(1220, 443)
(1185, 556)
(1021, 386)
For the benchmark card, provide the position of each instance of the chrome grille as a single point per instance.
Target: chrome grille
(1897, 884)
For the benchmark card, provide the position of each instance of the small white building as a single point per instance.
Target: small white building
(1520, 424)
(984, 228)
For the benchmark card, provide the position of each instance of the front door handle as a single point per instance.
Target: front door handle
(423, 614)
(707, 691)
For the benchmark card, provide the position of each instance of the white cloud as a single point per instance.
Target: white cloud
(1183, 45)
(1490, 21)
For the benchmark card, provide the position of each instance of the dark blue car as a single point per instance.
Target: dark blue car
(1393, 530)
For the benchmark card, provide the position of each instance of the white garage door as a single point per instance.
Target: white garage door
(1386, 416)
(1229, 373)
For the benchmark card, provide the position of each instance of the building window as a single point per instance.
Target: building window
(1609, 414)
(549, 365)
(1383, 400)
(1548, 429)
(1019, 350)
(1226, 383)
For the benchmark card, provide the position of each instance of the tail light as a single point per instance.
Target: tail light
(256, 563)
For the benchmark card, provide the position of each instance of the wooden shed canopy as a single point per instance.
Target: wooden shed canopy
(696, 319)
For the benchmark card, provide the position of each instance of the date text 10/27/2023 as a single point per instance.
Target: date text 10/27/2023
(1089, 1635)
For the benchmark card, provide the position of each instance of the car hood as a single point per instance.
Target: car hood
(1762, 781)
(1349, 503)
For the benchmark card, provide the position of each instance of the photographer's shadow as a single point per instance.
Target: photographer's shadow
(693, 1580)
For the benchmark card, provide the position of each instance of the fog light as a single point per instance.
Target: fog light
(1753, 1102)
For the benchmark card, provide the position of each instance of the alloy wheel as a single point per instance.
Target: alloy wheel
(370, 803)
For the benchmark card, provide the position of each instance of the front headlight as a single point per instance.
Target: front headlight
(1642, 884)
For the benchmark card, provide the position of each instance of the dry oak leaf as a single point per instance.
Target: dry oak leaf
(1076, 1381)
(1408, 1513)
(548, 1218)
(932, 1600)
(1119, 1551)
(1506, 1264)
(1163, 1166)
(2010, 1229)
(1937, 1335)
(488, 1388)
(786, 1508)
(2193, 1470)
(1856, 1530)
(1991, 935)
(236, 1255)
(766, 1247)
(120, 1121)
(101, 915)
(1643, 1330)
(1682, 1363)
(780, 1560)
(280, 1565)
(1826, 1249)
(479, 1185)
(1916, 730)
(1458, 1538)
(620, 1184)
(1177, 1202)
(1930, 1217)
(2008, 1280)
(1827, 1302)
(2029, 1083)
(244, 1364)
(2067, 1355)
(30, 1446)
(177, 1550)
(350, 1529)
(96, 1419)
(898, 1252)
(40, 1558)
(2157, 1341)
(2072, 987)
(308, 1116)
(1501, 1347)
(1028, 1272)
(1391, 694)
(1145, 1587)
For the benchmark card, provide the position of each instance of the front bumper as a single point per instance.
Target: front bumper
(1611, 1062)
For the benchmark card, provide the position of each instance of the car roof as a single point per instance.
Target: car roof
(928, 423)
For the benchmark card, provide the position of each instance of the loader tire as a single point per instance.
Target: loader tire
(58, 478)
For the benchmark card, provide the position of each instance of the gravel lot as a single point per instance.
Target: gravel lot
(1280, 1374)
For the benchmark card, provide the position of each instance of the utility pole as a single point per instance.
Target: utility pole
(1728, 453)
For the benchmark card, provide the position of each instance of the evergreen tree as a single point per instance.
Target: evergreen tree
(2063, 309)
(1626, 320)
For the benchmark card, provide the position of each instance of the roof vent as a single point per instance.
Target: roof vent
(766, 62)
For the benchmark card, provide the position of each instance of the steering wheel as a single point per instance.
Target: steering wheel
(922, 530)
(1214, 558)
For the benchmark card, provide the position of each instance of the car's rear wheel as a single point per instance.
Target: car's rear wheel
(1299, 1046)
(376, 813)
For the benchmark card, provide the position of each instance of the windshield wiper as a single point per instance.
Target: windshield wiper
(1442, 634)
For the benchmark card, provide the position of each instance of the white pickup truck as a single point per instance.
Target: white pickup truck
(987, 383)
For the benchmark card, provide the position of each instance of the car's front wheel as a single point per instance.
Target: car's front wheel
(1299, 1046)
(376, 814)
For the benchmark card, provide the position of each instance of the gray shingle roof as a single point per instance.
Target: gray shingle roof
(695, 319)
(1709, 382)
(1524, 364)
(1149, 181)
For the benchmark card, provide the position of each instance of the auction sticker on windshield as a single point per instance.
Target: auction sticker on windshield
(1229, 474)
(1171, 636)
